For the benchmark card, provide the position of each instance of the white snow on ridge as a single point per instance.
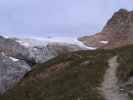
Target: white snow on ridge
(104, 42)
(14, 59)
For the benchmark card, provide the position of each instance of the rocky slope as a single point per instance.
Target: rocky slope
(12, 71)
(110, 87)
(117, 32)
(81, 75)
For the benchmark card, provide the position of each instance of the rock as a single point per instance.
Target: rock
(12, 70)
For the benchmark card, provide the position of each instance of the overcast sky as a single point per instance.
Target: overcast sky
(57, 17)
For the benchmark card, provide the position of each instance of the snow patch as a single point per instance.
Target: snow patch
(26, 44)
(91, 48)
(5, 35)
(14, 59)
(104, 42)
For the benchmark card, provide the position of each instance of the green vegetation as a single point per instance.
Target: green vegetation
(74, 76)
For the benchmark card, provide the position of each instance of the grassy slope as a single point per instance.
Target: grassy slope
(75, 76)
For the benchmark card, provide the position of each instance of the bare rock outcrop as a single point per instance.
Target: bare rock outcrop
(12, 70)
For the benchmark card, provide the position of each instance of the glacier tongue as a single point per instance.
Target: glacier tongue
(37, 41)
(40, 50)
(44, 49)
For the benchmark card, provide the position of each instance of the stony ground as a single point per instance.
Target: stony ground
(110, 88)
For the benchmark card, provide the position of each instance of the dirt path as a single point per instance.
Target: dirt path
(110, 89)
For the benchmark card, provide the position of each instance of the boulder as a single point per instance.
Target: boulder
(12, 70)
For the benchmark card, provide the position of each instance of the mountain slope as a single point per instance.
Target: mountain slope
(18, 53)
(117, 32)
(75, 76)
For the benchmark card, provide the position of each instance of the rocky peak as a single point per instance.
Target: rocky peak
(118, 31)
(120, 22)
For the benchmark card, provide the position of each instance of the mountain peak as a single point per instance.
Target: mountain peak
(119, 23)
(118, 31)
(122, 10)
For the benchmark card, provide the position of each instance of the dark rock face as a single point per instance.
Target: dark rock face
(11, 71)
(118, 31)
